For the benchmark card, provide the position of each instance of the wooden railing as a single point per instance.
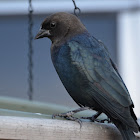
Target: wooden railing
(20, 125)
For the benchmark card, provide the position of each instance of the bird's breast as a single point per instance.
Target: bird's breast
(73, 80)
(63, 65)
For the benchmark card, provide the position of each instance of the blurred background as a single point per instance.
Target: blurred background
(114, 22)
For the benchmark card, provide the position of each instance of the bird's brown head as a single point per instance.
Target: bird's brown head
(59, 26)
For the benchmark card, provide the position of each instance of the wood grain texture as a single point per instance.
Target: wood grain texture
(23, 128)
(48, 129)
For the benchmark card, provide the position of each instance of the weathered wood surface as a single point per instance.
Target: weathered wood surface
(23, 128)
(21, 125)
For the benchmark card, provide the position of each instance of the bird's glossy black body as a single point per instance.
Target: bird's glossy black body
(75, 82)
(87, 71)
(91, 78)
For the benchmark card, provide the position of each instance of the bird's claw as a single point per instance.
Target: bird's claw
(94, 118)
(75, 119)
(68, 116)
(103, 121)
(89, 118)
(64, 115)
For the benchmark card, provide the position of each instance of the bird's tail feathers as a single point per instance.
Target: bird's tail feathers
(134, 117)
(126, 132)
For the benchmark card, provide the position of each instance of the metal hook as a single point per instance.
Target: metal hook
(77, 10)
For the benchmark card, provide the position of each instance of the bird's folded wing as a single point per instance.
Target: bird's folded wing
(106, 85)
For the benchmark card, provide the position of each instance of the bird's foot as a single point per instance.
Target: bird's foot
(103, 121)
(94, 117)
(69, 115)
(89, 118)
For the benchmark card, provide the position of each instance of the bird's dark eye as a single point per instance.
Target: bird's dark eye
(52, 24)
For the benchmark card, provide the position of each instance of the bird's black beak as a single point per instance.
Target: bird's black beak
(42, 33)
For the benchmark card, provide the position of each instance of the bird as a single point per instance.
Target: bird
(88, 73)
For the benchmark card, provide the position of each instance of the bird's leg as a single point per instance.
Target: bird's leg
(94, 117)
(69, 114)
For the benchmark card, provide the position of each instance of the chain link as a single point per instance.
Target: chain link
(30, 51)
(77, 10)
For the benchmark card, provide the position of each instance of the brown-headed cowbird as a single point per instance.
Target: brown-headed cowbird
(88, 73)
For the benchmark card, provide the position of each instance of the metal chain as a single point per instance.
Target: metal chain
(77, 10)
(30, 51)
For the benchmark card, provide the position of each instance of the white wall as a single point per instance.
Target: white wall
(129, 53)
